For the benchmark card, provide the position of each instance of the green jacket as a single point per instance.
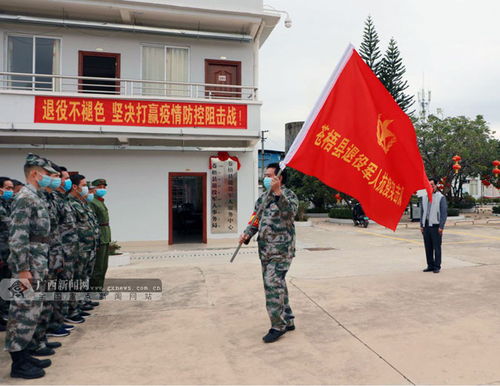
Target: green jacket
(275, 227)
(84, 229)
(29, 233)
(101, 212)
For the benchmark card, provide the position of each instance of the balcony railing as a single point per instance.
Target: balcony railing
(123, 87)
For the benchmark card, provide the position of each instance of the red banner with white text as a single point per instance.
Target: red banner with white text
(122, 112)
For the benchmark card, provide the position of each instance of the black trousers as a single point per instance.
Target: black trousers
(432, 242)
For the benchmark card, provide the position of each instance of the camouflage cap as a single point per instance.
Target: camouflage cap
(36, 160)
(99, 181)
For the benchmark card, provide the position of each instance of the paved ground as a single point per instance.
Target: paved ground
(366, 314)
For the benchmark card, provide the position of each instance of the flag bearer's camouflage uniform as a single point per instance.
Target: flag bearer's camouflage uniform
(276, 243)
(29, 246)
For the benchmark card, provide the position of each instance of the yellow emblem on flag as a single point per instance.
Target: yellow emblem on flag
(385, 137)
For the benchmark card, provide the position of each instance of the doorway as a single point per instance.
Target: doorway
(223, 72)
(99, 65)
(187, 207)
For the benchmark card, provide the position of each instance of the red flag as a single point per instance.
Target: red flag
(359, 141)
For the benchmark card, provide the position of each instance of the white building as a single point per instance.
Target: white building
(126, 90)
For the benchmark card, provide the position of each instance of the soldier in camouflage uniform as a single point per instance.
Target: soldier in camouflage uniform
(55, 262)
(69, 240)
(28, 260)
(86, 242)
(276, 242)
(6, 194)
(96, 233)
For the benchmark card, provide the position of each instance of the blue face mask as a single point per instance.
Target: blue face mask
(267, 182)
(67, 185)
(55, 183)
(45, 181)
(90, 197)
(101, 192)
(7, 194)
(85, 191)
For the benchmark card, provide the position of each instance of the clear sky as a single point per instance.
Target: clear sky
(451, 47)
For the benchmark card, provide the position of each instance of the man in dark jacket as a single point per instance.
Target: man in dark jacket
(432, 220)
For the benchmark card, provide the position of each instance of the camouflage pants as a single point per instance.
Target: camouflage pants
(4, 274)
(277, 305)
(41, 328)
(24, 316)
(80, 270)
(67, 274)
(89, 266)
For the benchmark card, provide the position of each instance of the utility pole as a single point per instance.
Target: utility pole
(262, 139)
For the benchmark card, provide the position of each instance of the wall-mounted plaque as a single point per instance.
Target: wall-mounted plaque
(224, 193)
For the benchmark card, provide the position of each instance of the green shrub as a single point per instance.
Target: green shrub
(496, 209)
(316, 210)
(453, 212)
(301, 211)
(467, 202)
(113, 248)
(340, 213)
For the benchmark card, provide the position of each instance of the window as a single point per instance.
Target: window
(162, 63)
(33, 55)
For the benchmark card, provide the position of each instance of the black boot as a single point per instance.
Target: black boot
(53, 344)
(42, 363)
(42, 351)
(23, 368)
(273, 335)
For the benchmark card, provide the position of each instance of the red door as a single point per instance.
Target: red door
(223, 72)
(187, 205)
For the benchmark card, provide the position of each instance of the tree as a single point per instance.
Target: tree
(389, 69)
(311, 190)
(440, 139)
(369, 49)
(390, 72)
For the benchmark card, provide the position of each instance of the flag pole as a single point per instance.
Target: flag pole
(259, 213)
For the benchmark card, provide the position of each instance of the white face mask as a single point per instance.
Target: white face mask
(85, 191)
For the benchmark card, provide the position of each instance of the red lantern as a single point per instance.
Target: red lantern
(338, 197)
(457, 166)
(486, 182)
(496, 170)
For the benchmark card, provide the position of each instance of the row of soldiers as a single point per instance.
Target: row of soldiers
(53, 229)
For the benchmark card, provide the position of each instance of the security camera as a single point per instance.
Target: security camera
(288, 22)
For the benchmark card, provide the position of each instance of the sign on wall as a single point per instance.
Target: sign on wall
(122, 112)
(224, 194)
